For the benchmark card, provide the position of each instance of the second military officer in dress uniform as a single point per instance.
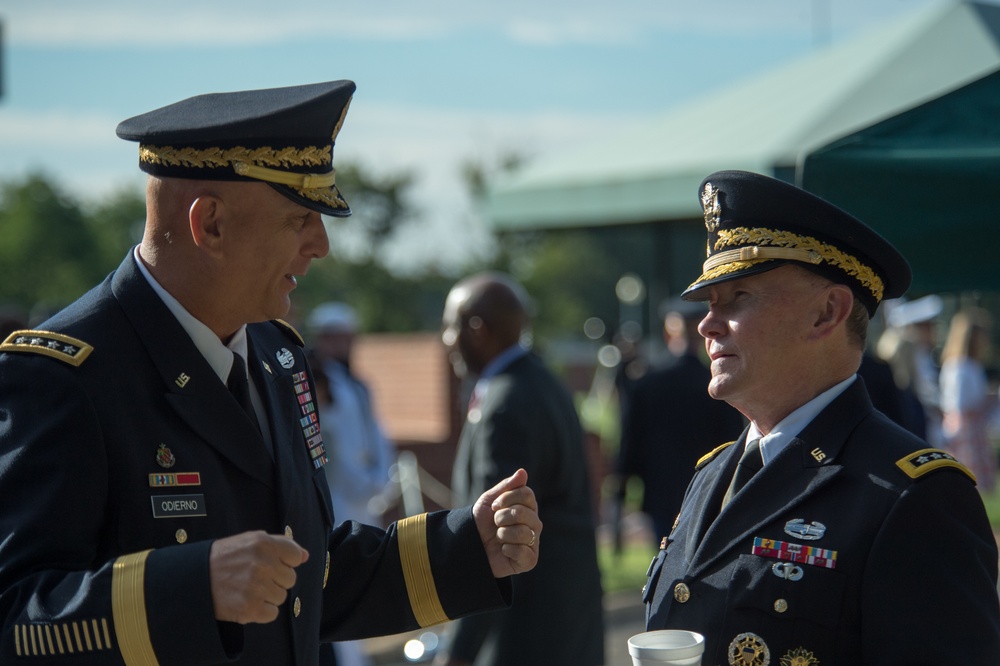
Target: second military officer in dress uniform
(161, 463)
(826, 534)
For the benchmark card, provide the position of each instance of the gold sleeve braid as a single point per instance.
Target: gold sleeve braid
(128, 605)
(417, 573)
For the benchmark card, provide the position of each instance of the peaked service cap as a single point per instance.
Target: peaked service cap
(756, 223)
(281, 136)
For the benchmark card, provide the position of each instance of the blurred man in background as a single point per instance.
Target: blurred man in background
(520, 415)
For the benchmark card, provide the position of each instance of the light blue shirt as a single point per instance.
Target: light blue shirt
(789, 427)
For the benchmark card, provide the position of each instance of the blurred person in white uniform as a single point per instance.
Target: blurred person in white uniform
(360, 455)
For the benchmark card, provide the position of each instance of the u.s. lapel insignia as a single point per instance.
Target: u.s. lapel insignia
(797, 528)
(182, 380)
(749, 649)
(165, 457)
(799, 657)
(285, 358)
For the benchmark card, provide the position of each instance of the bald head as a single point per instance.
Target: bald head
(484, 315)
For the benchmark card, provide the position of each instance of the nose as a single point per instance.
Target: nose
(712, 326)
(318, 243)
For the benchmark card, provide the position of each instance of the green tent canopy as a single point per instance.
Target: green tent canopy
(928, 180)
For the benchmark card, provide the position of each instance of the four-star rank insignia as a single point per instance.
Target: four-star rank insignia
(55, 345)
(923, 461)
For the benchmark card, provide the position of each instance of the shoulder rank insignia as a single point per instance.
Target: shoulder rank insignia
(923, 461)
(705, 459)
(290, 331)
(66, 349)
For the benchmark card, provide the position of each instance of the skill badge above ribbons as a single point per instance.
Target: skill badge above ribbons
(798, 528)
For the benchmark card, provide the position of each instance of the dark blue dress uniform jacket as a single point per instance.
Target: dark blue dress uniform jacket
(527, 419)
(88, 574)
(915, 577)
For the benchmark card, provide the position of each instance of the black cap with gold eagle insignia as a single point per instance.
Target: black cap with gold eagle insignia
(281, 136)
(756, 223)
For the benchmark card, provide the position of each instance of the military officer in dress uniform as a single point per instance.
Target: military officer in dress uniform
(825, 534)
(161, 464)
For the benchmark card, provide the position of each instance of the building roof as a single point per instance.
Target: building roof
(651, 172)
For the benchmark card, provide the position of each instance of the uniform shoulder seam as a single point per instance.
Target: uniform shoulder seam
(705, 459)
(290, 331)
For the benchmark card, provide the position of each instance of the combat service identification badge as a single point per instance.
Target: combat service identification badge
(749, 650)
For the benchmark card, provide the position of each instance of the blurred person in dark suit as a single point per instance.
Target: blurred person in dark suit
(521, 416)
(672, 420)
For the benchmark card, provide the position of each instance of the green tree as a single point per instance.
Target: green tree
(47, 250)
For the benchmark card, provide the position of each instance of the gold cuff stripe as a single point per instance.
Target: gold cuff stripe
(128, 604)
(216, 158)
(784, 239)
(49, 640)
(417, 573)
(923, 461)
(307, 181)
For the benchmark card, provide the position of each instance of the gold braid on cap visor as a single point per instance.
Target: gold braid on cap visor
(759, 245)
(256, 163)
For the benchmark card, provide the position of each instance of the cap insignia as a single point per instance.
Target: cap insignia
(710, 204)
(59, 346)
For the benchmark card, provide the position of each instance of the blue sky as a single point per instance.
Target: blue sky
(439, 82)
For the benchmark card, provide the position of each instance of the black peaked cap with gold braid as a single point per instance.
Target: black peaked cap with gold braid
(756, 223)
(281, 136)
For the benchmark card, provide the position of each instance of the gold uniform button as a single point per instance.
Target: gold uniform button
(181, 536)
(288, 531)
(297, 607)
(682, 593)
(326, 570)
(781, 605)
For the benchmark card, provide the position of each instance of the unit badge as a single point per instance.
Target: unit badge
(165, 457)
(799, 657)
(749, 650)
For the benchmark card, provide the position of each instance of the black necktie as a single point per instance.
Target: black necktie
(240, 388)
(750, 463)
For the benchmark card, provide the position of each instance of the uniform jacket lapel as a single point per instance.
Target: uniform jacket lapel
(806, 465)
(191, 386)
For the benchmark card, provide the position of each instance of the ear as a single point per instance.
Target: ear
(834, 309)
(205, 220)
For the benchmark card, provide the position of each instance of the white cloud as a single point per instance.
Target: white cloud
(107, 23)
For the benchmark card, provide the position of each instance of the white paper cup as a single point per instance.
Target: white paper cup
(673, 647)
